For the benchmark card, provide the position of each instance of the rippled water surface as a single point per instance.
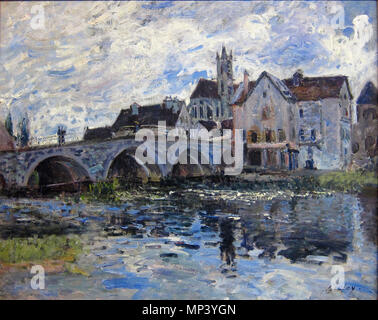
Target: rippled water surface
(204, 244)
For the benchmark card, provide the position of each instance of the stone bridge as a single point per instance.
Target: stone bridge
(77, 162)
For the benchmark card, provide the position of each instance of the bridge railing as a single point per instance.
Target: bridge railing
(52, 139)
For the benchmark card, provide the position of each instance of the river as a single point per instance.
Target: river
(200, 243)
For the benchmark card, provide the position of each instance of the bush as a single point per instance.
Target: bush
(103, 189)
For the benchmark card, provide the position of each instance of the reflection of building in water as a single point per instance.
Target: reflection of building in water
(227, 247)
(368, 202)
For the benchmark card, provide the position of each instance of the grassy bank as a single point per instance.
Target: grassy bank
(20, 250)
(354, 181)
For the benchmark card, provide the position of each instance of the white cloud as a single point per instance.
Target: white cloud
(102, 56)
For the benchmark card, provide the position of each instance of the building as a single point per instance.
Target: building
(324, 106)
(300, 122)
(173, 104)
(211, 100)
(137, 116)
(101, 133)
(184, 121)
(267, 114)
(7, 142)
(365, 132)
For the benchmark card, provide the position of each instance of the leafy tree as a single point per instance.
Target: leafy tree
(9, 124)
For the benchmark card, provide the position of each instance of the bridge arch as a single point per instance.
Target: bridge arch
(191, 168)
(124, 164)
(55, 171)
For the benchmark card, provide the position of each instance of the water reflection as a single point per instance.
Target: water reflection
(178, 243)
(227, 248)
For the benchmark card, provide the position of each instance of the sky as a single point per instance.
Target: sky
(77, 64)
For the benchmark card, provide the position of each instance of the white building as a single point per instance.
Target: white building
(282, 117)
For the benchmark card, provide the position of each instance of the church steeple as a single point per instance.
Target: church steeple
(224, 53)
(225, 75)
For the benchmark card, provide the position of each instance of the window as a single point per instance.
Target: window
(369, 114)
(267, 113)
(355, 147)
(252, 136)
(301, 113)
(264, 94)
(217, 111)
(269, 135)
(313, 134)
(281, 135)
(301, 134)
(209, 113)
(195, 112)
(201, 112)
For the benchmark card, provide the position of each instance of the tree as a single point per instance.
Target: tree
(9, 124)
(24, 132)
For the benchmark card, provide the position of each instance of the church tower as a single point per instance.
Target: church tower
(225, 81)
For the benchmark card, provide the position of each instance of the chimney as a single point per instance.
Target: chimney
(245, 83)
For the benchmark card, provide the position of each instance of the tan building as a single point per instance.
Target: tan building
(267, 114)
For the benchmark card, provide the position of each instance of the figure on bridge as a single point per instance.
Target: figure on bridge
(61, 133)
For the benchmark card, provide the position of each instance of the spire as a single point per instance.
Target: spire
(224, 53)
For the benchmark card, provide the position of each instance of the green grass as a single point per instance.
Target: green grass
(101, 190)
(353, 181)
(52, 247)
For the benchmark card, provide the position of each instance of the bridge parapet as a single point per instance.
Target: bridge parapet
(91, 158)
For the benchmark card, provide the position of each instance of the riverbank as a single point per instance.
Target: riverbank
(57, 254)
(297, 182)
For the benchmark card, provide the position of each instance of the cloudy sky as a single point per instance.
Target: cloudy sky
(88, 60)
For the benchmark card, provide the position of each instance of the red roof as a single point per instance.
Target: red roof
(316, 88)
(206, 89)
